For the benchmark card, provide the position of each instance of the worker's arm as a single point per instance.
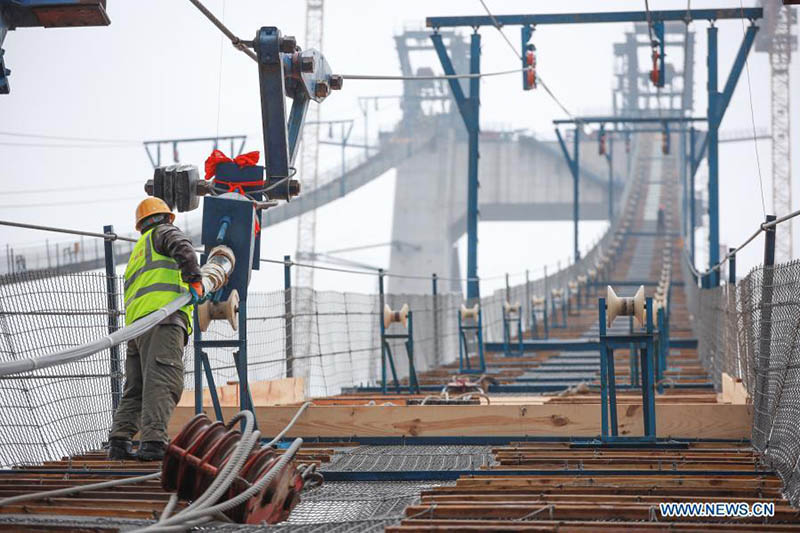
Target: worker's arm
(171, 241)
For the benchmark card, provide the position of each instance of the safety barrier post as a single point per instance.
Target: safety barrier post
(383, 330)
(765, 330)
(732, 266)
(528, 300)
(436, 347)
(287, 314)
(113, 318)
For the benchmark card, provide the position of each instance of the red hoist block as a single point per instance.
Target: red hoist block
(202, 448)
(654, 74)
(530, 72)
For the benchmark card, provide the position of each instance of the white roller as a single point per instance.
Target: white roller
(616, 306)
(390, 316)
(469, 312)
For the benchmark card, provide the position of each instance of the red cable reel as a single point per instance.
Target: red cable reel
(202, 448)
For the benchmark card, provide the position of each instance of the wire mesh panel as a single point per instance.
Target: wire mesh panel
(752, 332)
(63, 409)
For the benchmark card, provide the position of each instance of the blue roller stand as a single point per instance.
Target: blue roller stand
(464, 366)
(644, 342)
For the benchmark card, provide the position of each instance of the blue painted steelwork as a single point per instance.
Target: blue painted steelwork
(48, 14)
(680, 15)
(608, 387)
(574, 168)
(469, 108)
(508, 321)
(464, 366)
(535, 323)
(408, 337)
(230, 216)
(717, 104)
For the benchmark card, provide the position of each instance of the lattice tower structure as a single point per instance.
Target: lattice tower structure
(780, 56)
(309, 176)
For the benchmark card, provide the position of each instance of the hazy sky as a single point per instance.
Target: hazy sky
(160, 70)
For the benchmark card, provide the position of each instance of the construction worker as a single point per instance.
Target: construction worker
(163, 265)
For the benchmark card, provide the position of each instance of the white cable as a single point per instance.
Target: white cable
(291, 423)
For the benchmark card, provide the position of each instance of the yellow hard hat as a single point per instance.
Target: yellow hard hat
(151, 206)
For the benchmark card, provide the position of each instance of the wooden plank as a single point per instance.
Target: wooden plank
(284, 391)
(677, 421)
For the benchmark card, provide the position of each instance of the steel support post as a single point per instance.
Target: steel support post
(610, 159)
(113, 318)
(287, 315)
(713, 156)
(381, 303)
(717, 104)
(437, 356)
(732, 266)
(469, 108)
(764, 355)
(691, 193)
(572, 162)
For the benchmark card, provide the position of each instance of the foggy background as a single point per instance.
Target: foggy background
(161, 70)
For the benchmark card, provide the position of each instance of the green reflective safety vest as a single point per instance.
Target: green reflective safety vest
(152, 281)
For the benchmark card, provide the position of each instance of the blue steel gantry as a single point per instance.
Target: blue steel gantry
(717, 101)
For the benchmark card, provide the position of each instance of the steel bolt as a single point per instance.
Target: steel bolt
(336, 82)
(307, 64)
(322, 89)
(288, 44)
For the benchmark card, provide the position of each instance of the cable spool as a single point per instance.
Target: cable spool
(537, 301)
(389, 316)
(469, 312)
(582, 279)
(592, 273)
(511, 308)
(616, 306)
(195, 457)
(227, 310)
(557, 293)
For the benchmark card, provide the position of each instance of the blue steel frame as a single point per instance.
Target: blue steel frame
(464, 366)
(554, 313)
(469, 108)
(608, 386)
(507, 323)
(535, 322)
(413, 383)
(574, 168)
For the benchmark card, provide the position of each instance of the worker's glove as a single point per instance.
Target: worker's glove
(198, 294)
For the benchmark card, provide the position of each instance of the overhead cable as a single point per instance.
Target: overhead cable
(539, 79)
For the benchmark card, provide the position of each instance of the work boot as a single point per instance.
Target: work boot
(152, 451)
(120, 449)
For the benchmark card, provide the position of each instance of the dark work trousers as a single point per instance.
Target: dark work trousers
(153, 384)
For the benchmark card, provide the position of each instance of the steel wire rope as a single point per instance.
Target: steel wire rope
(762, 227)
(539, 79)
(202, 507)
